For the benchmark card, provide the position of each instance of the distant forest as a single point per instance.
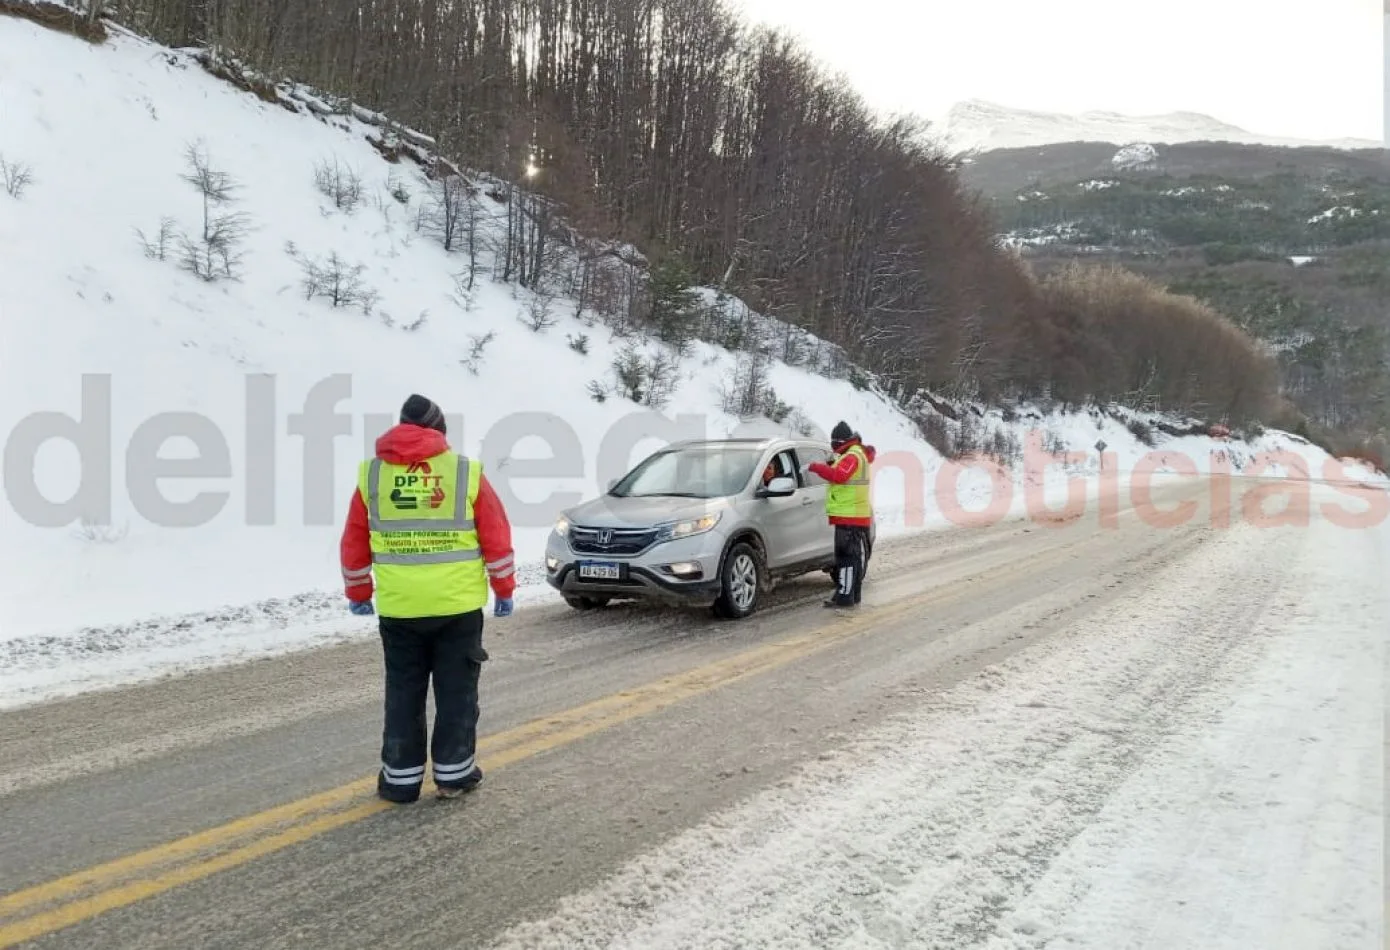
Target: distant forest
(676, 127)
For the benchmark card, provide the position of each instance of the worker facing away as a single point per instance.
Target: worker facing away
(426, 523)
(850, 509)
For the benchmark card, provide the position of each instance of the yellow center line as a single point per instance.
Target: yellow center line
(214, 850)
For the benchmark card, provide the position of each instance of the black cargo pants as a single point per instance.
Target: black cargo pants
(852, 550)
(448, 651)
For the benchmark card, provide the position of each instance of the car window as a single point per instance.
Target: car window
(695, 472)
(809, 454)
(781, 465)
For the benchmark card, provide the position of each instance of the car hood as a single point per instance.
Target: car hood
(609, 511)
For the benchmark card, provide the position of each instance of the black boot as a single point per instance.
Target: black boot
(474, 779)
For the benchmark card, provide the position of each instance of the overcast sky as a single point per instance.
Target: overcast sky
(1301, 68)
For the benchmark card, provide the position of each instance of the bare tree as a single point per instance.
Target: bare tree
(452, 214)
(16, 177)
(217, 251)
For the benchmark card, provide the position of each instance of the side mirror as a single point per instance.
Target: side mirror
(779, 488)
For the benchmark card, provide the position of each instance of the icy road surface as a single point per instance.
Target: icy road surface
(1074, 736)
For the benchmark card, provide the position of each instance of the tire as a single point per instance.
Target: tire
(587, 603)
(740, 583)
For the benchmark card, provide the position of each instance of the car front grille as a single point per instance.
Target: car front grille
(612, 541)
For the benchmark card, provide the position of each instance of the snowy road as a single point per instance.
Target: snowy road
(1077, 736)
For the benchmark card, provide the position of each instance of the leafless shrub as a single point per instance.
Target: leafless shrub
(477, 345)
(798, 422)
(336, 281)
(1142, 431)
(16, 177)
(157, 248)
(647, 380)
(750, 394)
(98, 533)
(539, 315)
(1003, 446)
(338, 184)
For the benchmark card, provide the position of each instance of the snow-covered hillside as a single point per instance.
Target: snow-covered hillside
(116, 565)
(976, 125)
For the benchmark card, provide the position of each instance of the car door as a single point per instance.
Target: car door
(818, 536)
(783, 520)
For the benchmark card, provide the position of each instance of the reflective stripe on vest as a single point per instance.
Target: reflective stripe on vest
(425, 549)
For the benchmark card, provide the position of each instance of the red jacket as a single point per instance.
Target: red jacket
(842, 472)
(402, 445)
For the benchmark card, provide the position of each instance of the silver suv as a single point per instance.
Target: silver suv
(710, 523)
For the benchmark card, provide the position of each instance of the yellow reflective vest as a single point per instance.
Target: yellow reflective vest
(850, 500)
(425, 550)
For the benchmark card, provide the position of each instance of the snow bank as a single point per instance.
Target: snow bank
(1205, 772)
(180, 452)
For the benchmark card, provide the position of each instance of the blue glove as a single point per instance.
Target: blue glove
(503, 607)
(362, 608)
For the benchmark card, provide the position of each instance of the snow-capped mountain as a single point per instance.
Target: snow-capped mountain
(976, 125)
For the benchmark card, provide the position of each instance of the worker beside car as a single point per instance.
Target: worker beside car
(849, 507)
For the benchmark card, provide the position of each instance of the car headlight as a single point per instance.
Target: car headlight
(686, 529)
(562, 526)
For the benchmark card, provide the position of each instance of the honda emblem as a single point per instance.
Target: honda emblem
(605, 536)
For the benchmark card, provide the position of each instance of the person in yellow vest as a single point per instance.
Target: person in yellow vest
(424, 520)
(850, 509)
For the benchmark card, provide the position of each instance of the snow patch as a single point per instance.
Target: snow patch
(1138, 155)
(1335, 213)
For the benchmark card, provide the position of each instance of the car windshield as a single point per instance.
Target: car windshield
(693, 472)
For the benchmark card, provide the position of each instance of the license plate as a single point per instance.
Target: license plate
(600, 570)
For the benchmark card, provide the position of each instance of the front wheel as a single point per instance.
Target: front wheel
(741, 583)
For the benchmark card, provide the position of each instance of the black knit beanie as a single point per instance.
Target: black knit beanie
(841, 433)
(422, 412)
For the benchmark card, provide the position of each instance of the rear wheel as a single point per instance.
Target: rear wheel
(587, 602)
(741, 583)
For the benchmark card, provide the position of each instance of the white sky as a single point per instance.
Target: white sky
(1300, 68)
